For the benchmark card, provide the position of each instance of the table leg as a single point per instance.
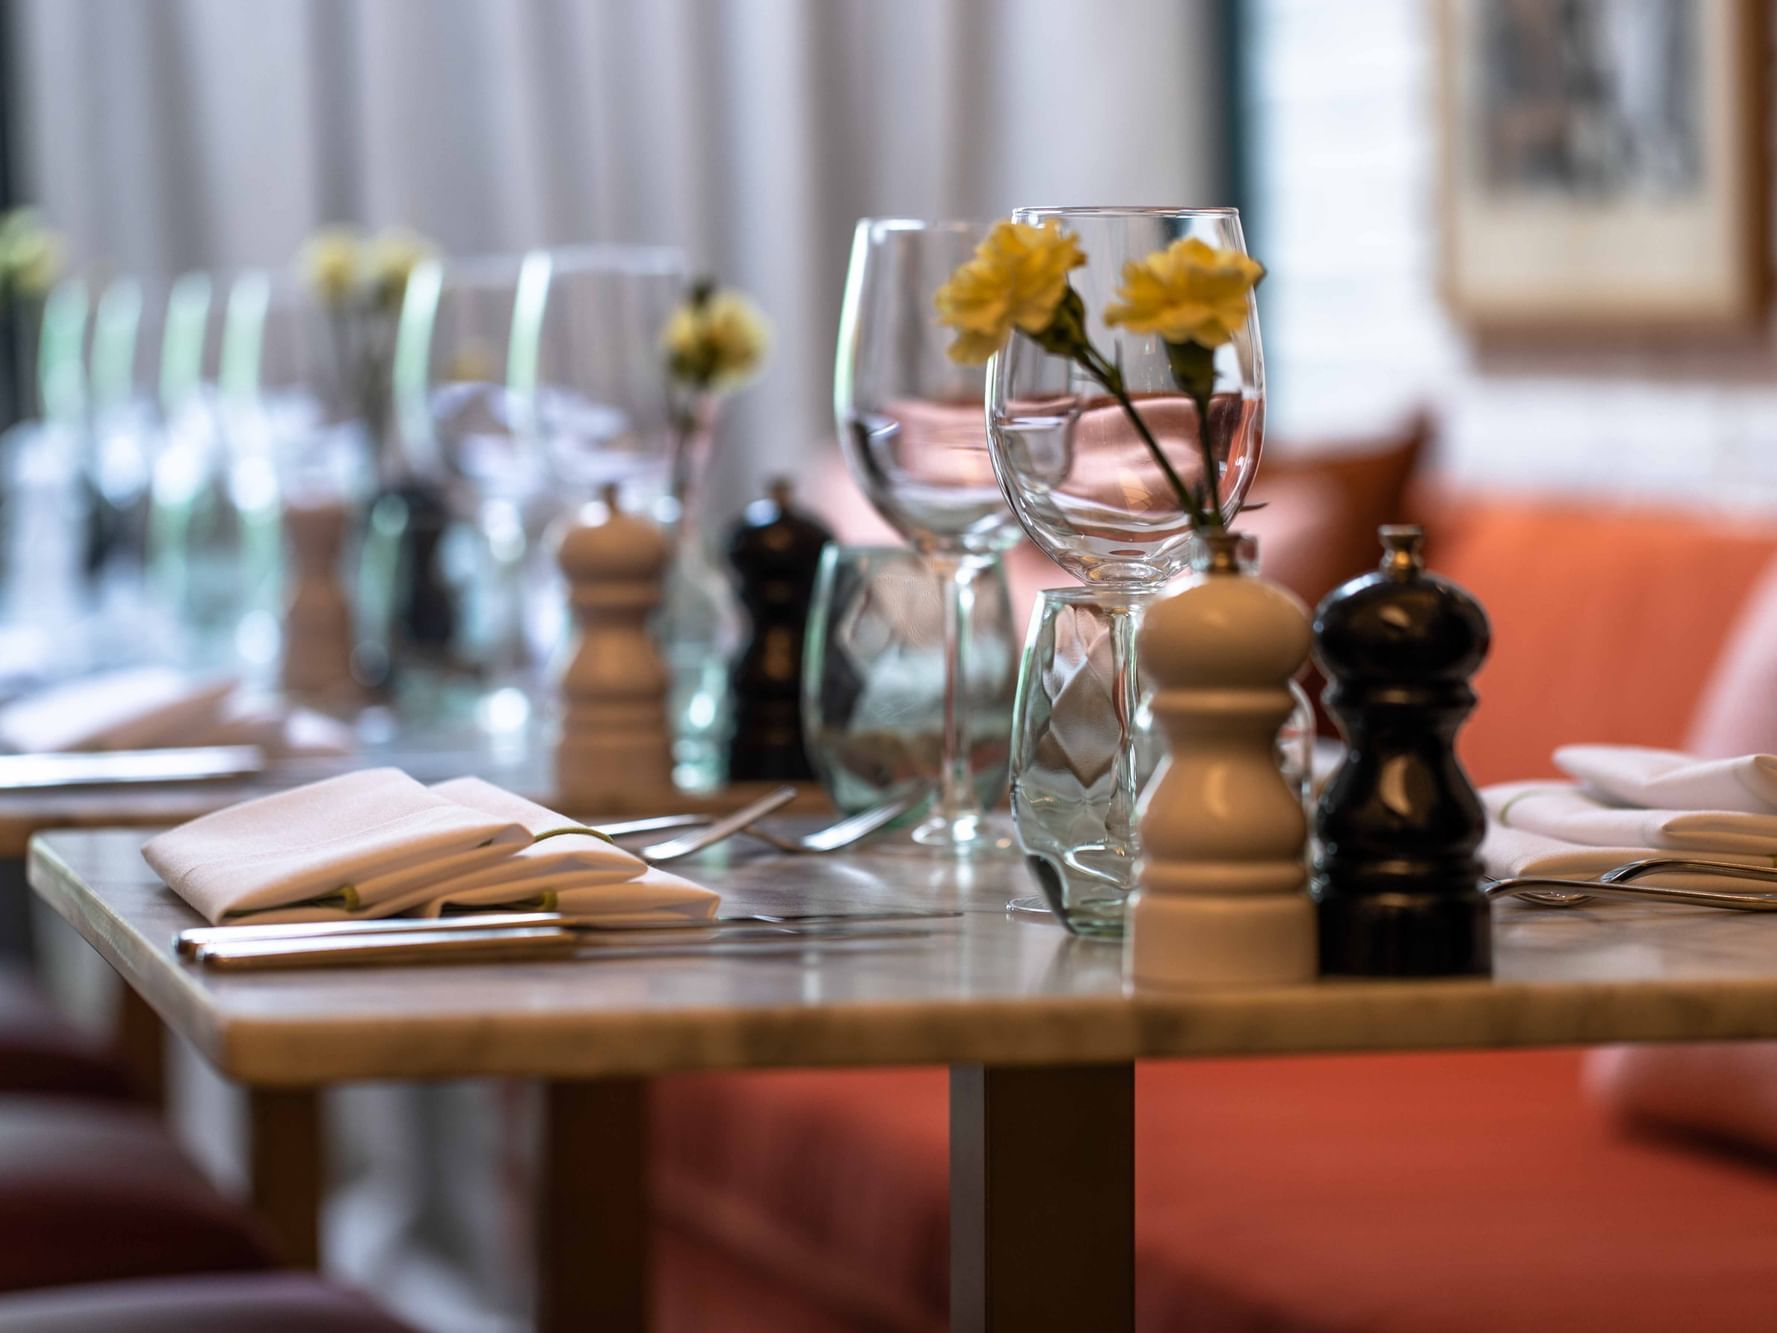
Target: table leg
(285, 1168)
(1042, 1199)
(592, 1207)
(141, 1041)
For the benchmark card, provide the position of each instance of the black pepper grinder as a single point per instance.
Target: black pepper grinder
(774, 550)
(1396, 878)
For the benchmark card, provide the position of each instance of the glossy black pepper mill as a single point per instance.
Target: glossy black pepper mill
(775, 551)
(1396, 878)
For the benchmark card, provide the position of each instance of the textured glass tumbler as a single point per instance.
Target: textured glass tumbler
(1065, 747)
(874, 670)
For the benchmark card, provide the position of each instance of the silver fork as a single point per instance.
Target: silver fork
(1546, 891)
(852, 829)
(689, 844)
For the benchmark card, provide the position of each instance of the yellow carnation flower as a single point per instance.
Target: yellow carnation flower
(390, 259)
(31, 254)
(330, 261)
(1017, 279)
(1188, 292)
(38, 261)
(718, 342)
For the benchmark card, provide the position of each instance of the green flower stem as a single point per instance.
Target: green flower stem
(1094, 363)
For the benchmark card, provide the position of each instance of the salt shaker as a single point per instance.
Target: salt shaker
(1396, 879)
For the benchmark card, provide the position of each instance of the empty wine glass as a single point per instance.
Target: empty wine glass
(213, 519)
(304, 463)
(910, 421)
(460, 419)
(1085, 484)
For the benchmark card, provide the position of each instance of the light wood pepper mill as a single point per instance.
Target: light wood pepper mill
(1223, 873)
(613, 731)
(1396, 879)
(317, 666)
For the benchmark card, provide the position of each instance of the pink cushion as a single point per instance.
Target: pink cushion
(1468, 1193)
(42, 1052)
(1738, 711)
(234, 1303)
(94, 1191)
(1723, 1091)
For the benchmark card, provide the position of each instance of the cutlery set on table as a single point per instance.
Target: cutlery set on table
(616, 903)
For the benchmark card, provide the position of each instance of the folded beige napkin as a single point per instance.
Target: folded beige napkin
(377, 843)
(141, 708)
(345, 846)
(1564, 811)
(152, 708)
(565, 868)
(1669, 780)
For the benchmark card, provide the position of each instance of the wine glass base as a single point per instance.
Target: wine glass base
(967, 835)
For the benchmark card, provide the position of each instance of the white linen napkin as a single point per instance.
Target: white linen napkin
(139, 708)
(565, 868)
(344, 846)
(1564, 811)
(153, 708)
(1668, 780)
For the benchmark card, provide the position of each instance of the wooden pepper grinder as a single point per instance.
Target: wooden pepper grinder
(614, 732)
(317, 666)
(774, 550)
(1396, 878)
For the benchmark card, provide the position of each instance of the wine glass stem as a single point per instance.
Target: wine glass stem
(956, 782)
(1120, 818)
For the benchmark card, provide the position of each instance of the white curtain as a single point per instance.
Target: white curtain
(172, 134)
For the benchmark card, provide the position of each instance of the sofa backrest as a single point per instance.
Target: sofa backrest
(1606, 621)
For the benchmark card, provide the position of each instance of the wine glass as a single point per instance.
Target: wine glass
(304, 468)
(911, 426)
(460, 421)
(587, 348)
(1081, 479)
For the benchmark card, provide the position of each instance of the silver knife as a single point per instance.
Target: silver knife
(542, 943)
(97, 768)
(189, 941)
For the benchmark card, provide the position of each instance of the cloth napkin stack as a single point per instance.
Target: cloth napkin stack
(377, 843)
(152, 708)
(1627, 803)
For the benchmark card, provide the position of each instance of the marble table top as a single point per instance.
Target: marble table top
(988, 986)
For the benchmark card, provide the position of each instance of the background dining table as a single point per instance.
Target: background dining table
(1040, 1032)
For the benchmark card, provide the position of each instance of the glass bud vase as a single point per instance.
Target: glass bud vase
(700, 624)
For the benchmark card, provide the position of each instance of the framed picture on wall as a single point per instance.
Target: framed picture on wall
(1603, 163)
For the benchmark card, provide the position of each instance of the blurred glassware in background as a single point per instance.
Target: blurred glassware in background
(293, 425)
(1082, 481)
(406, 614)
(45, 492)
(1065, 751)
(875, 674)
(910, 420)
(459, 416)
(213, 556)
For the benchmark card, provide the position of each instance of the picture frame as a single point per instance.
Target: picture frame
(1603, 164)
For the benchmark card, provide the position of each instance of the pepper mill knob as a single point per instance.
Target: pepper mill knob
(1396, 878)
